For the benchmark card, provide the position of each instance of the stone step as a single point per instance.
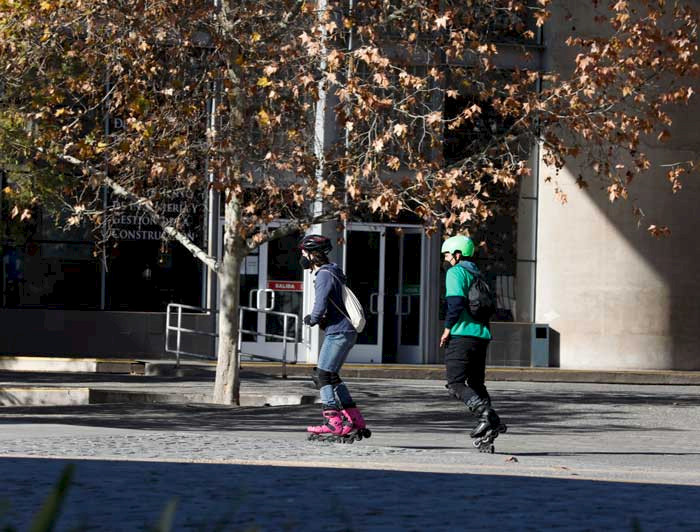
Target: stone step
(78, 395)
(206, 369)
(43, 396)
(51, 364)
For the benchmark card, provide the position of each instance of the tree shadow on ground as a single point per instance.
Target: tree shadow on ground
(127, 495)
(388, 407)
(608, 453)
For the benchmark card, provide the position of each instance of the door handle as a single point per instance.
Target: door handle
(272, 302)
(257, 297)
(373, 302)
(399, 305)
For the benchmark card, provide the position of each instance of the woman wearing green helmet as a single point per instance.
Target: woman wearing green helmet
(466, 338)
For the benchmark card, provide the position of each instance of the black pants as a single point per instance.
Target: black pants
(465, 362)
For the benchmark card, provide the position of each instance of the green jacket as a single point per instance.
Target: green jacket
(457, 282)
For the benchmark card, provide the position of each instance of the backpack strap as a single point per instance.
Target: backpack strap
(476, 274)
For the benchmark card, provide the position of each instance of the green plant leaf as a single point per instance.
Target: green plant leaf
(47, 517)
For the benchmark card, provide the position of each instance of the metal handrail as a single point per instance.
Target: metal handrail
(284, 337)
(179, 329)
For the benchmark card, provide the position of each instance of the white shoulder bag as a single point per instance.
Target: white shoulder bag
(355, 313)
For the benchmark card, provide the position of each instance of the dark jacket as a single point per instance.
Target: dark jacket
(328, 281)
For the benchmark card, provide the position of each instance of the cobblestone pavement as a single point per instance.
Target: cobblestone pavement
(576, 457)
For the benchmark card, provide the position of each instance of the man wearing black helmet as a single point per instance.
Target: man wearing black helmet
(343, 420)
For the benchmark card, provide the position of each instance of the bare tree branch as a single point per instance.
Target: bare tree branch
(147, 205)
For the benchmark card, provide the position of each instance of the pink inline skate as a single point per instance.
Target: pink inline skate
(333, 430)
(355, 425)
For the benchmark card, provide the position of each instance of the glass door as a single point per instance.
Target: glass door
(364, 268)
(408, 305)
(272, 280)
(284, 285)
(384, 267)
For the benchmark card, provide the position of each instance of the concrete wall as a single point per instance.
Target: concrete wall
(93, 333)
(512, 345)
(619, 298)
(142, 335)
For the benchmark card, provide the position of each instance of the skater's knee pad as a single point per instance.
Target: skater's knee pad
(325, 378)
(315, 378)
(477, 405)
(456, 390)
(335, 379)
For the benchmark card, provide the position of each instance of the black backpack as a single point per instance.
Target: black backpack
(482, 301)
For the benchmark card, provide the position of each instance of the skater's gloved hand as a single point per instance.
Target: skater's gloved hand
(307, 319)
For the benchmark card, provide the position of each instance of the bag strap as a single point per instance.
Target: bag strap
(341, 287)
(343, 313)
(333, 275)
(475, 277)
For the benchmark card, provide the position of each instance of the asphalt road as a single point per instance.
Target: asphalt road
(575, 457)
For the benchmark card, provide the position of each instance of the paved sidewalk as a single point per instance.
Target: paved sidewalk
(34, 388)
(511, 374)
(576, 457)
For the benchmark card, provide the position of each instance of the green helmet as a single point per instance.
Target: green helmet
(461, 243)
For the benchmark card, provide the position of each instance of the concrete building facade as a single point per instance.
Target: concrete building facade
(579, 285)
(618, 298)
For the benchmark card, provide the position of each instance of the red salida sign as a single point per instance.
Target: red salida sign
(286, 286)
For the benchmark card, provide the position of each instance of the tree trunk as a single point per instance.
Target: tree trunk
(227, 383)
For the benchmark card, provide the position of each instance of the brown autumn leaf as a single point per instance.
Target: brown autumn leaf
(197, 117)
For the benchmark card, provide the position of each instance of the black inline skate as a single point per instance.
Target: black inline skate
(487, 430)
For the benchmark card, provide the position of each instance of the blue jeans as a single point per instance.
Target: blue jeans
(333, 353)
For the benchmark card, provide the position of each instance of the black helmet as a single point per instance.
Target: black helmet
(315, 244)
